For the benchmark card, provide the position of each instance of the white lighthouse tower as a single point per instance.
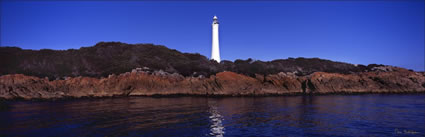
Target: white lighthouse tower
(215, 51)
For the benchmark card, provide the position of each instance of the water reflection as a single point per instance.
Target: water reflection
(367, 115)
(217, 128)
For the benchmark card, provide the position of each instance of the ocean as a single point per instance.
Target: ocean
(295, 116)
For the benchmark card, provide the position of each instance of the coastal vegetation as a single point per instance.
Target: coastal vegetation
(107, 58)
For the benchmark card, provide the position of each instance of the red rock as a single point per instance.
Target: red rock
(224, 83)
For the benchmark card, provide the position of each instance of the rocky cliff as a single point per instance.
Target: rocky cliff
(107, 69)
(139, 82)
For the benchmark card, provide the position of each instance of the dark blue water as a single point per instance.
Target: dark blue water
(331, 115)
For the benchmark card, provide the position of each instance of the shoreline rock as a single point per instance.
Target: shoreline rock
(139, 83)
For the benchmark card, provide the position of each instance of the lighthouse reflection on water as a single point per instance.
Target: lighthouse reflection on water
(216, 127)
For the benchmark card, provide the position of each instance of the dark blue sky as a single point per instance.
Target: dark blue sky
(358, 32)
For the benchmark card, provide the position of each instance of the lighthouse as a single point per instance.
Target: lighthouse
(215, 50)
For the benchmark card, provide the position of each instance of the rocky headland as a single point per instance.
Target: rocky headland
(36, 75)
(222, 84)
